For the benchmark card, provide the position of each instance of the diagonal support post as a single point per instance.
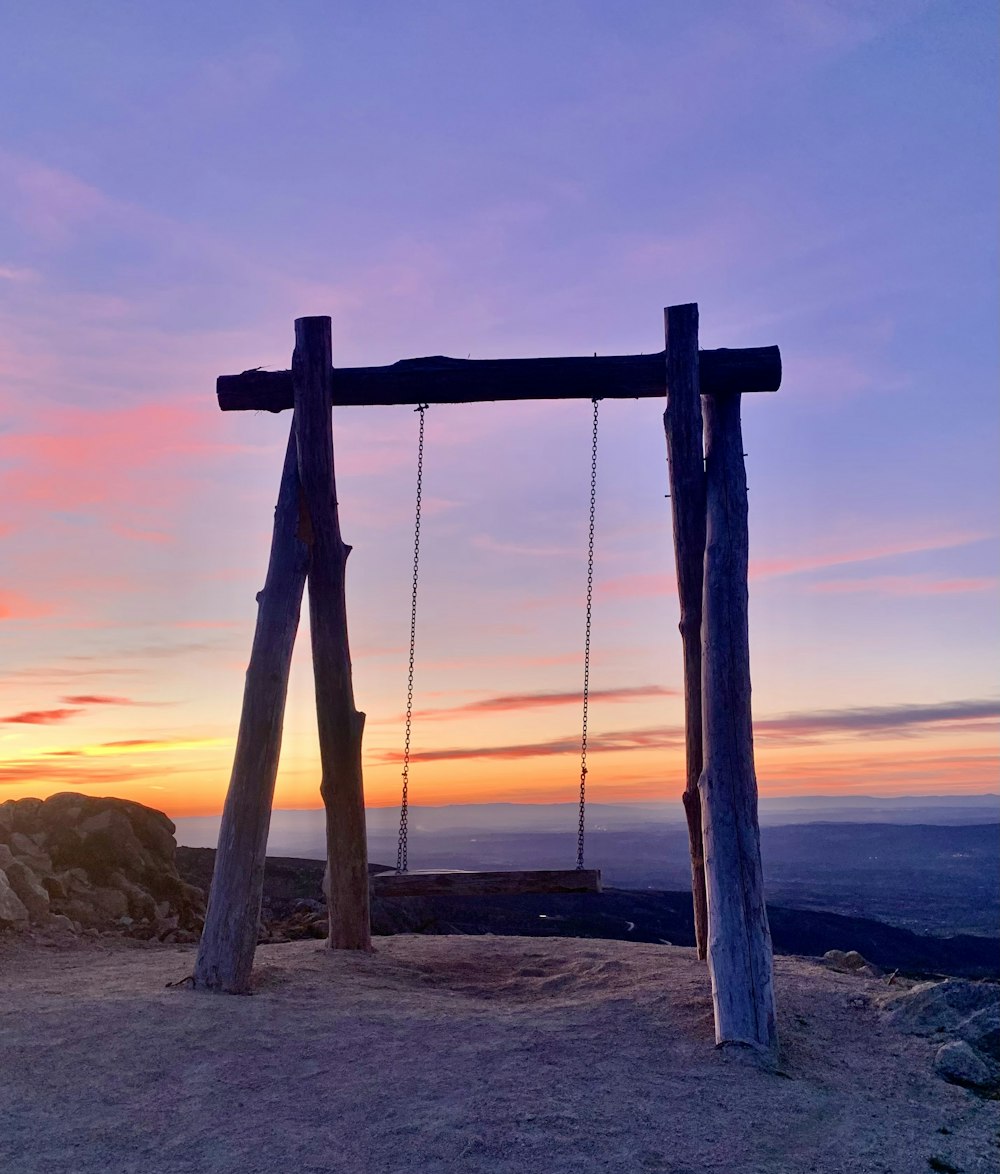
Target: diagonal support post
(229, 939)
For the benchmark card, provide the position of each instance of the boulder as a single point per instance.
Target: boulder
(934, 1007)
(982, 1031)
(957, 1063)
(32, 894)
(13, 914)
(58, 924)
(28, 848)
(22, 814)
(110, 904)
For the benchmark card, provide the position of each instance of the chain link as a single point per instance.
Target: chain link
(586, 646)
(401, 848)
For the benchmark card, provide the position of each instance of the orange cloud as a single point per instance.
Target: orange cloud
(140, 746)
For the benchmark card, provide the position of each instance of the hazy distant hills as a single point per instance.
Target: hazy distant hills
(619, 914)
(927, 864)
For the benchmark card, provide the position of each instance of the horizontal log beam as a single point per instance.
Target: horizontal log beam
(484, 884)
(439, 380)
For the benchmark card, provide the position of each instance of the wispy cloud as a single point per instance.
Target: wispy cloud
(509, 702)
(817, 561)
(39, 773)
(17, 273)
(106, 699)
(658, 738)
(140, 746)
(878, 719)
(40, 717)
(872, 720)
(14, 606)
(903, 585)
(641, 585)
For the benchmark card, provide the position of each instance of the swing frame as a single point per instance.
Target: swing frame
(708, 482)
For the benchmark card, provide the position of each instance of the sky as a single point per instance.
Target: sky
(179, 182)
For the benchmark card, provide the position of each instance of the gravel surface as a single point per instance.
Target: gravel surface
(470, 1054)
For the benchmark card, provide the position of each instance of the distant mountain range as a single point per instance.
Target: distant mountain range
(294, 831)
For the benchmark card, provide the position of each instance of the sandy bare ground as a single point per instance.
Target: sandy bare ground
(457, 1054)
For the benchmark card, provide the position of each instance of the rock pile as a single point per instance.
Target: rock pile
(77, 863)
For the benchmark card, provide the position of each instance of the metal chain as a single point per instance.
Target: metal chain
(586, 645)
(405, 800)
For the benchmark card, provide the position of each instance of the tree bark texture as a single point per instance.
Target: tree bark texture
(740, 958)
(682, 425)
(226, 951)
(340, 725)
(441, 380)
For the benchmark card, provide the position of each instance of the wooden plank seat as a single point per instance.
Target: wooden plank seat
(484, 884)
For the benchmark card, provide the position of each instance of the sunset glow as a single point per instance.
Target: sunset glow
(444, 211)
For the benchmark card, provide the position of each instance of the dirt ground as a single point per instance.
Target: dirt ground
(499, 1055)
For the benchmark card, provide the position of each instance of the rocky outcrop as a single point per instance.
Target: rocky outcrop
(76, 863)
(965, 1018)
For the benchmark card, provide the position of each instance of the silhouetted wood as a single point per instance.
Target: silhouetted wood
(682, 425)
(739, 945)
(440, 380)
(485, 884)
(226, 950)
(340, 725)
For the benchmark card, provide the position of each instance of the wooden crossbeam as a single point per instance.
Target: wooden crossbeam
(440, 380)
(485, 884)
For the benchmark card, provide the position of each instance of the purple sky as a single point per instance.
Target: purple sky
(179, 182)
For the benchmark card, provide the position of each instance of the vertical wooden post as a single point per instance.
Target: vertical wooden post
(739, 947)
(340, 725)
(225, 954)
(682, 425)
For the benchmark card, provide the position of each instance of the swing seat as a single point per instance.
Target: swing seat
(484, 884)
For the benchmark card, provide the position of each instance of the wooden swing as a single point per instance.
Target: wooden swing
(401, 882)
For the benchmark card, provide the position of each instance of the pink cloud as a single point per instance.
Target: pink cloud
(97, 699)
(636, 586)
(14, 606)
(798, 564)
(13, 273)
(47, 202)
(903, 585)
(511, 702)
(128, 466)
(633, 586)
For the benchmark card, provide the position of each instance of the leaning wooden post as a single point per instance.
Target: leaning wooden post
(739, 946)
(340, 725)
(682, 424)
(225, 954)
